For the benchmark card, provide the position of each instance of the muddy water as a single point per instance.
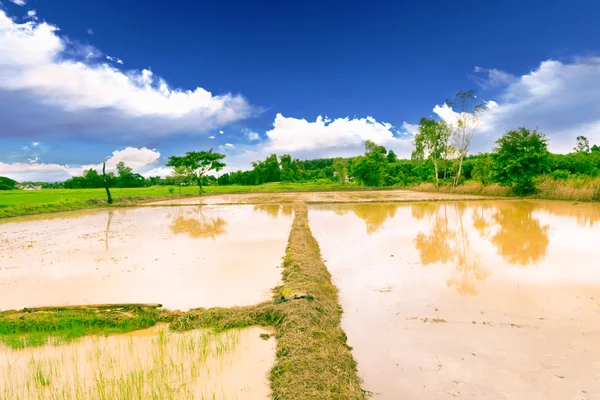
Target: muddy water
(181, 257)
(496, 300)
(154, 363)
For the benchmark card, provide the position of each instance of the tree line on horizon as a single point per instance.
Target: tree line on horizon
(441, 156)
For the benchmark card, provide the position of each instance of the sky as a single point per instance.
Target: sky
(83, 82)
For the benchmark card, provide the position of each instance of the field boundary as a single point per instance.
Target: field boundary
(313, 360)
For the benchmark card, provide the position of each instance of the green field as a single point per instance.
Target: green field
(45, 196)
(21, 202)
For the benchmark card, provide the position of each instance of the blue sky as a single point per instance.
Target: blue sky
(86, 81)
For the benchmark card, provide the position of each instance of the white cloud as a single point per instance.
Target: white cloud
(141, 160)
(90, 31)
(115, 59)
(211, 137)
(341, 136)
(18, 2)
(561, 100)
(158, 171)
(251, 135)
(493, 77)
(31, 14)
(35, 144)
(410, 129)
(221, 132)
(231, 146)
(45, 91)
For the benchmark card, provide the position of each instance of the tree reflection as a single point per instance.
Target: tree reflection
(448, 241)
(520, 238)
(107, 231)
(198, 225)
(275, 210)
(374, 215)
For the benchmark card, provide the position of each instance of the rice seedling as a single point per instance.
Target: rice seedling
(225, 365)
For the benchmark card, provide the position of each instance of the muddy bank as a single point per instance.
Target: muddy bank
(488, 299)
(317, 197)
(180, 257)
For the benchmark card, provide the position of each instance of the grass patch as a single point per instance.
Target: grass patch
(574, 188)
(19, 329)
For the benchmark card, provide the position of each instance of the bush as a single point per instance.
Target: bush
(560, 174)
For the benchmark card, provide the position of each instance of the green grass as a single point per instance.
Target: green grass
(47, 196)
(21, 328)
(15, 203)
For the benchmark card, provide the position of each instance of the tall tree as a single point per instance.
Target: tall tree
(520, 156)
(583, 145)
(432, 140)
(467, 123)
(199, 162)
(110, 200)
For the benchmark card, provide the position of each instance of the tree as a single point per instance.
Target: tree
(199, 162)
(110, 200)
(482, 168)
(520, 156)
(340, 166)
(7, 183)
(181, 174)
(467, 122)
(432, 140)
(583, 145)
(369, 168)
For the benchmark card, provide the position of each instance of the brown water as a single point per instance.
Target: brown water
(153, 363)
(181, 257)
(496, 300)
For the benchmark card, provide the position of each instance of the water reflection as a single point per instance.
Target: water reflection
(520, 239)
(275, 210)
(374, 216)
(448, 241)
(197, 225)
(106, 233)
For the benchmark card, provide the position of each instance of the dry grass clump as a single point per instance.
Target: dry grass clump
(469, 188)
(574, 189)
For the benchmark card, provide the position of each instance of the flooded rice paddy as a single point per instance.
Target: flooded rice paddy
(493, 299)
(180, 257)
(154, 363)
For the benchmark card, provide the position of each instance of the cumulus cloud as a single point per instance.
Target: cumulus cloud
(211, 137)
(141, 160)
(325, 136)
(44, 89)
(561, 100)
(18, 2)
(221, 132)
